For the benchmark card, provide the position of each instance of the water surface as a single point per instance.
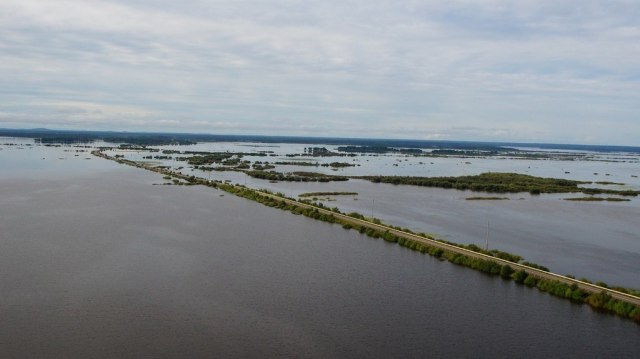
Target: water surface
(107, 265)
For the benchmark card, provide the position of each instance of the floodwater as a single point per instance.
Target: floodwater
(599, 241)
(611, 167)
(102, 263)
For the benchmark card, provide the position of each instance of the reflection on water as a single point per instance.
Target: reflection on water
(107, 265)
(23, 158)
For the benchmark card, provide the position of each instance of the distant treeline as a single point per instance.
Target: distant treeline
(379, 150)
(185, 138)
(465, 153)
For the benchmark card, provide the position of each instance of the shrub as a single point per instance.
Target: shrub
(506, 271)
(598, 300)
(531, 281)
(519, 276)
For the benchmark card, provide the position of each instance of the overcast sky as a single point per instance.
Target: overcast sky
(526, 70)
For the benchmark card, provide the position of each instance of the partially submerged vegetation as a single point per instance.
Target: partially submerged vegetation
(487, 198)
(597, 199)
(207, 159)
(297, 163)
(320, 194)
(600, 301)
(295, 176)
(463, 153)
(338, 164)
(500, 183)
(319, 152)
(379, 150)
(259, 166)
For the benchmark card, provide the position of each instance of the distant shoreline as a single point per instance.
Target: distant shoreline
(165, 138)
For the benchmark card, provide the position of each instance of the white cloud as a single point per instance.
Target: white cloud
(525, 70)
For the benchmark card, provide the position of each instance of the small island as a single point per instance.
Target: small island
(497, 182)
(597, 199)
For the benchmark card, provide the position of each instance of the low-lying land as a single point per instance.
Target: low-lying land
(500, 183)
(487, 198)
(319, 194)
(295, 176)
(597, 199)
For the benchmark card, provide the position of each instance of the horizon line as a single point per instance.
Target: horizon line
(89, 131)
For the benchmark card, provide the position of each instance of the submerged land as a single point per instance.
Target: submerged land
(624, 302)
(278, 175)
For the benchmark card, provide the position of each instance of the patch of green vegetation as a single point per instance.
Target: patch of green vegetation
(318, 194)
(499, 183)
(298, 163)
(262, 167)
(487, 198)
(463, 153)
(597, 199)
(231, 162)
(295, 176)
(199, 158)
(379, 150)
(207, 159)
(338, 164)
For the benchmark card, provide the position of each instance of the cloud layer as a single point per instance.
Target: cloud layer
(543, 71)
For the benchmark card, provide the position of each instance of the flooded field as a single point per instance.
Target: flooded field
(595, 240)
(96, 261)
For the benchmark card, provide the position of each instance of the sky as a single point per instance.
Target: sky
(492, 70)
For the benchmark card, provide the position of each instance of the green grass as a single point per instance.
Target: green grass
(320, 194)
(295, 176)
(500, 183)
(597, 199)
(486, 198)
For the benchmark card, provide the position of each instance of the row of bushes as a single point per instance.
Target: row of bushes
(598, 301)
